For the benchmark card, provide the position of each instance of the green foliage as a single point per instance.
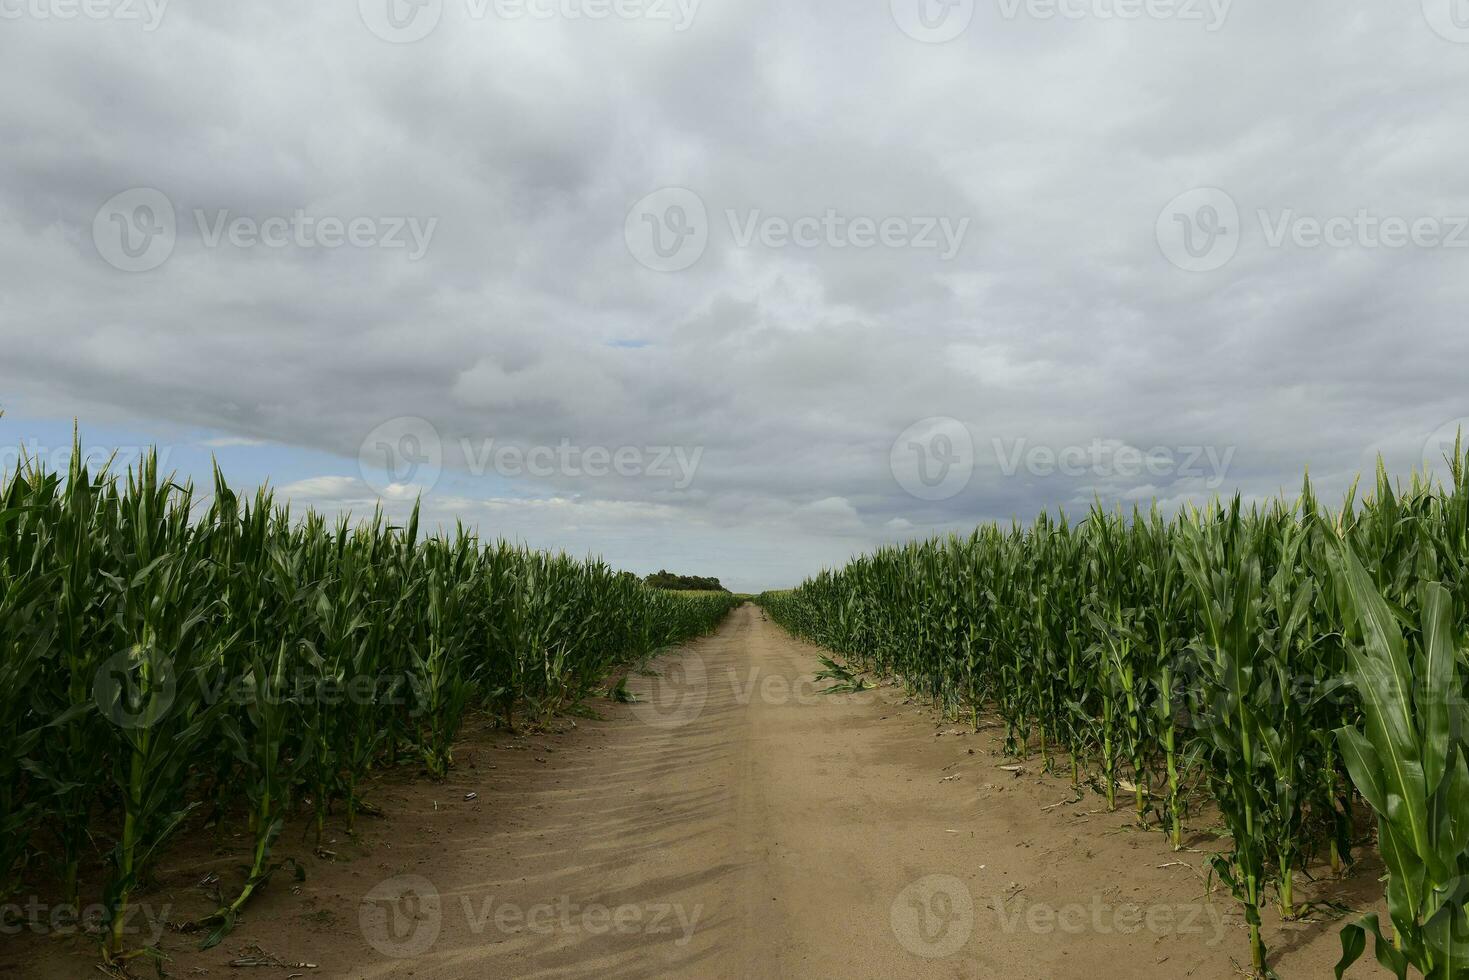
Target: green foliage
(1409, 761)
(683, 583)
(1278, 655)
(844, 680)
(158, 654)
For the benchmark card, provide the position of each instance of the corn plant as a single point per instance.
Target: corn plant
(154, 690)
(269, 765)
(1165, 629)
(442, 674)
(1408, 761)
(1225, 576)
(76, 519)
(25, 636)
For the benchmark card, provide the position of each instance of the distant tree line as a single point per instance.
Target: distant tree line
(683, 583)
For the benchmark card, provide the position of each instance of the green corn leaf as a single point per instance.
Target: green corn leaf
(1438, 693)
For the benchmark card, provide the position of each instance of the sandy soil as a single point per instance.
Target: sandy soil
(734, 823)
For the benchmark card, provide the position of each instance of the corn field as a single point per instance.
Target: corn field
(1291, 664)
(166, 659)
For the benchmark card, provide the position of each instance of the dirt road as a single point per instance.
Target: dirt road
(735, 823)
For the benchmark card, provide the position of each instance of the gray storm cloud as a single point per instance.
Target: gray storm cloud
(1057, 322)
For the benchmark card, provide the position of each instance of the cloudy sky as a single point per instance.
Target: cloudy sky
(736, 287)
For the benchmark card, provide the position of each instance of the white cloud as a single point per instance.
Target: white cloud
(232, 442)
